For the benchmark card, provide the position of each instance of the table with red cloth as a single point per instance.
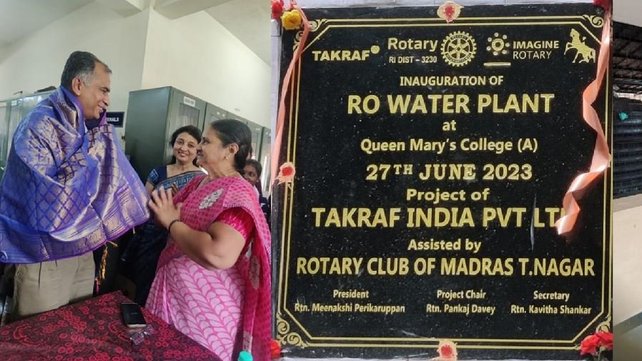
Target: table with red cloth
(94, 330)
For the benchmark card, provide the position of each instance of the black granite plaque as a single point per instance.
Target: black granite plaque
(431, 162)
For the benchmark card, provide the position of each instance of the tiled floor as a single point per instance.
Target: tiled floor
(627, 258)
(627, 278)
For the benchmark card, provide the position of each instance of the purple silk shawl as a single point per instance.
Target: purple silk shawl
(66, 190)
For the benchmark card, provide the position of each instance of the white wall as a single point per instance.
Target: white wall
(628, 11)
(198, 55)
(38, 61)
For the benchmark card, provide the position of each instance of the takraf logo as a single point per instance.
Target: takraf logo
(345, 54)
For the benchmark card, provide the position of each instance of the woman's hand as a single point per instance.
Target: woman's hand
(162, 204)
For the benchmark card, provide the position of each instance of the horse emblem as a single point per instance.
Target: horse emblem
(585, 52)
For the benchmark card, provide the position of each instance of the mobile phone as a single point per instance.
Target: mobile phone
(132, 315)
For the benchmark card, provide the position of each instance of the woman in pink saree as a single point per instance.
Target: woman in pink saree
(213, 278)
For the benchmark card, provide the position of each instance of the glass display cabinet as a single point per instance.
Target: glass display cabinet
(152, 116)
(12, 111)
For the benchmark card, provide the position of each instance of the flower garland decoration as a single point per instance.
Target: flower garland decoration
(598, 346)
(447, 351)
(449, 11)
(277, 9)
(275, 349)
(290, 18)
(286, 173)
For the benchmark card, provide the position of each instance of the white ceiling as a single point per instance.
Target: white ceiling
(19, 18)
(248, 20)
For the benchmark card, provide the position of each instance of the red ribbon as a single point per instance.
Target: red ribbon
(601, 155)
(287, 79)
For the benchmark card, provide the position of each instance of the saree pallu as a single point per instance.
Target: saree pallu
(158, 178)
(224, 310)
(66, 190)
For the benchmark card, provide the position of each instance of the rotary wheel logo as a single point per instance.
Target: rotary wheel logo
(458, 49)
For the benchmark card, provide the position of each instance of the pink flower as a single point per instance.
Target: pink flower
(286, 172)
(606, 340)
(589, 345)
(447, 350)
(449, 11)
(596, 343)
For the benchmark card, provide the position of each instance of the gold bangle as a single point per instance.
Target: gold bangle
(169, 227)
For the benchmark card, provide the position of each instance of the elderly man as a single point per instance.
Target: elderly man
(67, 189)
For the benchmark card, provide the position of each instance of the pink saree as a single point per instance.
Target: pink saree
(229, 310)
